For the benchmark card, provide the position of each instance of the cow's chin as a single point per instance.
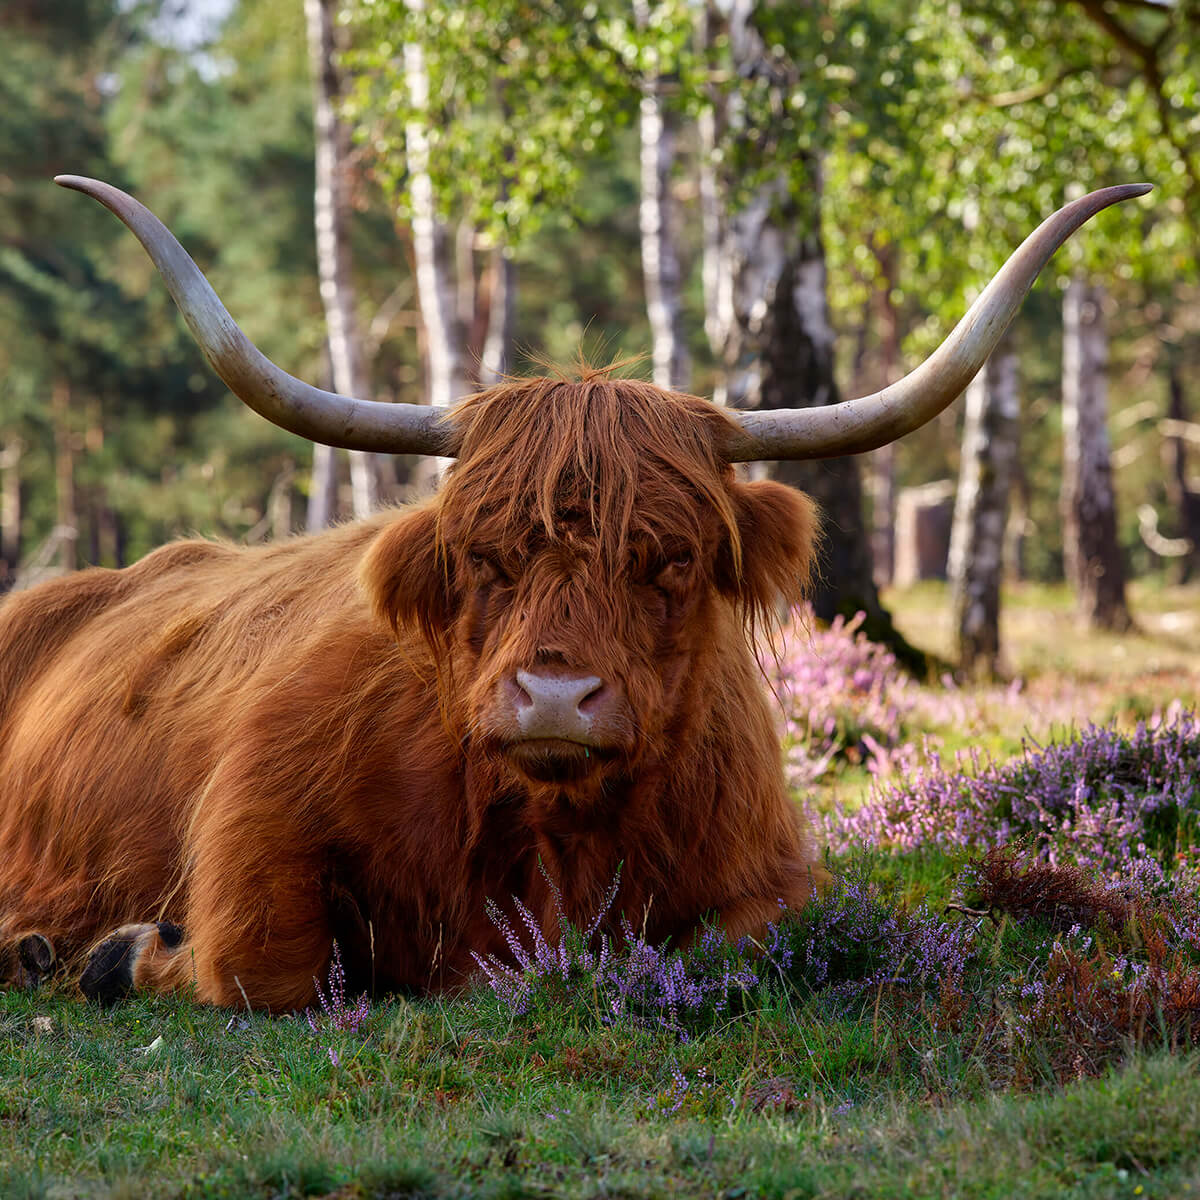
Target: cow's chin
(556, 761)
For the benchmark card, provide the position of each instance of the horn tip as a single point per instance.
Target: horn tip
(78, 183)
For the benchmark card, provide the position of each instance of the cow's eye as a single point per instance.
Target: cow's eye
(674, 569)
(486, 567)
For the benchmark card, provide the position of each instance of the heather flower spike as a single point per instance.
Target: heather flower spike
(337, 1013)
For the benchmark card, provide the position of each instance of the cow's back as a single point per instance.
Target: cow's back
(120, 691)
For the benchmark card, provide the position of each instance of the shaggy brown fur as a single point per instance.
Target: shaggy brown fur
(280, 746)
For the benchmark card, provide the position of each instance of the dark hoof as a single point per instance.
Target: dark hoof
(170, 934)
(109, 972)
(37, 953)
(108, 975)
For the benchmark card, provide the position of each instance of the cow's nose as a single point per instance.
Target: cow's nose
(557, 705)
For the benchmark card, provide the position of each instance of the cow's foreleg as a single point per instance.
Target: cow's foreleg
(256, 915)
(225, 964)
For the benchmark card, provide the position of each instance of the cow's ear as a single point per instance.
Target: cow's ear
(778, 531)
(406, 576)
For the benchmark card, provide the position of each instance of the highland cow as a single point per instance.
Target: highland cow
(218, 761)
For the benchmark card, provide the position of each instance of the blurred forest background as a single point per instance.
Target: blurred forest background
(777, 203)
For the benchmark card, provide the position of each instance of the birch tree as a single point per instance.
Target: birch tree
(658, 132)
(989, 453)
(433, 241)
(1183, 496)
(480, 122)
(1092, 557)
(332, 217)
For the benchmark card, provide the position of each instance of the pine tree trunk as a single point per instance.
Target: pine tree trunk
(989, 452)
(660, 257)
(332, 211)
(1092, 557)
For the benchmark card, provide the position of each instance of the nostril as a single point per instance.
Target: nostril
(516, 694)
(593, 700)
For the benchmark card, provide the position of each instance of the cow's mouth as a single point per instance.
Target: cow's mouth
(556, 760)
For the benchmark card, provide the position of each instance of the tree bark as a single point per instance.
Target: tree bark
(769, 317)
(1180, 497)
(882, 462)
(332, 213)
(989, 453)
(495, 360)
(1092, 557)
(279, 503)
(322, 489)
(66, 502)
(660, 257)
(433, 245)
(718, 287)
(10, 511)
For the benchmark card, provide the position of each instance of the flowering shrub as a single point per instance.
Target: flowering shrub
(654, 986)
(846, 942)
(845, 699)
(842, 696)
(1100, 800)
(855, 938)
(1121, 964)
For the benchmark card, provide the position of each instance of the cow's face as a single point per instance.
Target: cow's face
(588, 554)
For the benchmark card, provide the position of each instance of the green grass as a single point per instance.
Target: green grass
(1042, 639)
(433, 1102)
(890, 1094)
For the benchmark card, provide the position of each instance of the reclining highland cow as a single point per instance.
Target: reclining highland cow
(217, 761)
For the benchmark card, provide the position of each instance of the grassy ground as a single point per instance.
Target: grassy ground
(887, 1093)
(1124, 675)
(458, 1100)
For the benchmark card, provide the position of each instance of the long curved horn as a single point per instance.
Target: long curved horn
(299, 407)
(855, 426)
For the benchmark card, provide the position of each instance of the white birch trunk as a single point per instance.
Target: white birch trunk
(1092, 558)
(718, 284)
(989, 453)
(433, 244)
(331, 206)
(322, 489)
(660, 257)
(881, 464)
(495, 360)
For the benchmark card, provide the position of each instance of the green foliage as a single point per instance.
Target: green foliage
(519, 96)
